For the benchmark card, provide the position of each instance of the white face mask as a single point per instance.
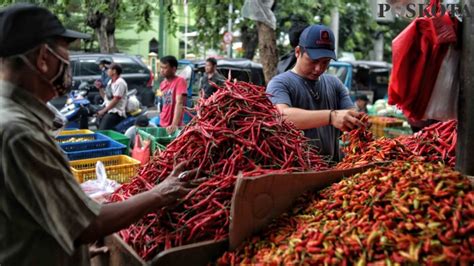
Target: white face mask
(62, 81)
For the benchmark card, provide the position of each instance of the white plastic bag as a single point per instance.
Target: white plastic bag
(133, 104)
(99, 188)
(443, 104)
(260, 10)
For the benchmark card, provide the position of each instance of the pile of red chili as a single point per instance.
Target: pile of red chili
(434, 143)
(237, 130)
(406, 213)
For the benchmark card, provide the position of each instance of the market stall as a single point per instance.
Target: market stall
(249, 186)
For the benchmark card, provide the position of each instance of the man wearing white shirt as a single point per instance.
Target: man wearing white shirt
(115, 97)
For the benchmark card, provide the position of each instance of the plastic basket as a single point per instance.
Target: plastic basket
(393, 132)
(379, 123)
(75, 132)
(117, 136)
(120, 168)
(154, 145)
(92, 141)
(85, 150)
(160, 135)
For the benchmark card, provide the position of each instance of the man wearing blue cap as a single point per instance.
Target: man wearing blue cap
(315, 102)
(45, 217)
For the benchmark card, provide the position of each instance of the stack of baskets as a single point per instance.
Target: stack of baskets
(85, 148)
(158, 137)
(379, 123)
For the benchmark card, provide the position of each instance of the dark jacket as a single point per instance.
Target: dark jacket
(286, 62)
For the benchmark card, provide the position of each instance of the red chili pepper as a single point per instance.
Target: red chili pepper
(235, 130)
(356, 232)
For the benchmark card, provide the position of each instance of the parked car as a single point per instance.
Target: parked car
(85, 67)
(240, 69)
(363, 77)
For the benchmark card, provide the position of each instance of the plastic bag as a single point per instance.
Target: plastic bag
(141, 150)
(443, 104)
(100, 187)
(59, 121)
(417, 54)
(260, 10)
(133, 104)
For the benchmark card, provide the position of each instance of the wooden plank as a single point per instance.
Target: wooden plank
(120, 254)
(201, 253)
(257, 200)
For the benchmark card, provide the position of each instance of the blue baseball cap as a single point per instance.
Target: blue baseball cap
(318, 41)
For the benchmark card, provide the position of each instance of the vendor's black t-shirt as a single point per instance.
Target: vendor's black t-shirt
(207, 87)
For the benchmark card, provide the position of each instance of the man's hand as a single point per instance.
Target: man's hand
(95, 250)
(175, 186)
(346, 120)
(171, 129)
(101, 112)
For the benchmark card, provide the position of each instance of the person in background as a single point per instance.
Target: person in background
(45, 217)
(210, 75)
(174, 91)
(104, 77)
(142, 121)
(115, 98)
(315, 102)
(361, 103)
(289, 60)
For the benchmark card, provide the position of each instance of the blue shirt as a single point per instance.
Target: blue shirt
(293, 90)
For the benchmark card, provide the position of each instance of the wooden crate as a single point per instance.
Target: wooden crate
(256, 201)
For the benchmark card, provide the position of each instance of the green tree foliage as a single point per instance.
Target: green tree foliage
(99, 18)
(211, 19)
(357, 28)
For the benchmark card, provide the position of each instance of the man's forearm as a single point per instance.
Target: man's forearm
(118, 215)
(306, 119)
(178, 110)
(112, 104)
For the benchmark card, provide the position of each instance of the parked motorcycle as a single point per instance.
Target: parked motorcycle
(78, 110)
(134, 109)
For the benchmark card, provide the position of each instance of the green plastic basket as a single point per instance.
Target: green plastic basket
(153, 142)
(117, 136)
(393, 132)
(160, 135)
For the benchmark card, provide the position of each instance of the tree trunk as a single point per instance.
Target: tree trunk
(102, 38)
(249, 38)
(104, 26)
(110, 25)
(268, 50)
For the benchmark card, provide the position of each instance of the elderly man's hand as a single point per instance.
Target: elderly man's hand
(175, 186)
(346, 120)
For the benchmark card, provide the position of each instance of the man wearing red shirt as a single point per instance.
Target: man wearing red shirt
(174, 95)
